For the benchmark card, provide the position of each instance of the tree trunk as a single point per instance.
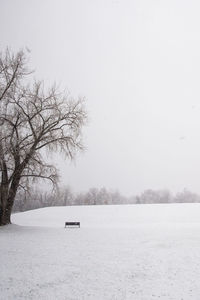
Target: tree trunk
(7, 202)
(4, 189)
(5, 217)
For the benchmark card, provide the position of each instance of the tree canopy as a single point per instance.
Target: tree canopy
(32, 118)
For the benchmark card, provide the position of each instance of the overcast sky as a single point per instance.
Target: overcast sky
(138, 65)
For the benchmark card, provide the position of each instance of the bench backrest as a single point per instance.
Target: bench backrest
(72, 223)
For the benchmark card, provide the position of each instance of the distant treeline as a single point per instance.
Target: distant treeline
(65, 196)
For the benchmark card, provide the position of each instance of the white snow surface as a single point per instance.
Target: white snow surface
(136, 252)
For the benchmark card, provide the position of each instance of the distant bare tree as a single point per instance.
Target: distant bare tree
(32, 119)
(64, 196)
(186, 197)
(155, 196)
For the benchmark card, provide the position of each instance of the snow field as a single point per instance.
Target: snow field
(138, 252)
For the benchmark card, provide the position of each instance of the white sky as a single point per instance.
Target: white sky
(138, 65)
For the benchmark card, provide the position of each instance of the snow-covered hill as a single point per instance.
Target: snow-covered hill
(110, 215)
(136, 252)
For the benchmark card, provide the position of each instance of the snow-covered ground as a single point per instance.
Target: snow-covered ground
(136, 252)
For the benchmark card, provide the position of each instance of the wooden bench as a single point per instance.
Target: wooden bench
(69, 224)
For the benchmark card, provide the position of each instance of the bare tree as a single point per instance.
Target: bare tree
(32, 119)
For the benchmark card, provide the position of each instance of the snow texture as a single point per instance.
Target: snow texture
(136, 252)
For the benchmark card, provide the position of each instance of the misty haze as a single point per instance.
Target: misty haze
(99, 149)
